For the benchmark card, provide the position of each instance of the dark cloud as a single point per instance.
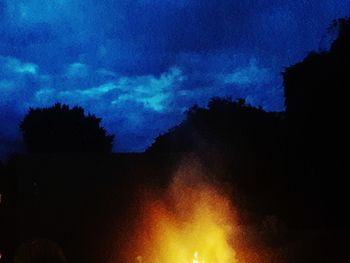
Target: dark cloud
(141, 64)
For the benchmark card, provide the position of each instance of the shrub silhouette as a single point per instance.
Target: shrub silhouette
(60, 129)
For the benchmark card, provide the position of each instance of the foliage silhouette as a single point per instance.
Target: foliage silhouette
(317, 84)
(315, 97)
(316, 108)
(225, 123)
(60, 129)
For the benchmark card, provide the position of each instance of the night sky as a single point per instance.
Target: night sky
(140, 64)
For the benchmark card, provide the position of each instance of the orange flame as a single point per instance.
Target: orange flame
(192, 222)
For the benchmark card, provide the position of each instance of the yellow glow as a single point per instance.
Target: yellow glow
(191, 223)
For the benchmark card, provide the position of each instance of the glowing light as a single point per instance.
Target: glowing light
(195, 259)
(191, 223)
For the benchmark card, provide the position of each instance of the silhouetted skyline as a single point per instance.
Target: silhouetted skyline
(140, 65)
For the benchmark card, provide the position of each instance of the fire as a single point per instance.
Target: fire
(195, 259)
(191, 222)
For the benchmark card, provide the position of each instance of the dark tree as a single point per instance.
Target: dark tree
(230, 125)
(316, 106)
(316, 100)
(319, 82)
(60, 129)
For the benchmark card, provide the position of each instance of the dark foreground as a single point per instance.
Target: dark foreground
(87, 205)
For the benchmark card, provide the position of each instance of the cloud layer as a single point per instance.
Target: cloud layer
(140, 64)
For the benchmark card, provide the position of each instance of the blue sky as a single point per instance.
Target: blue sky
(140, 64)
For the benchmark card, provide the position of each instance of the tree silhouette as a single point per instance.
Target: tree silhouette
(224, 123)
(319, 82)
(60, 129)
(316, 100)
(316, 107)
